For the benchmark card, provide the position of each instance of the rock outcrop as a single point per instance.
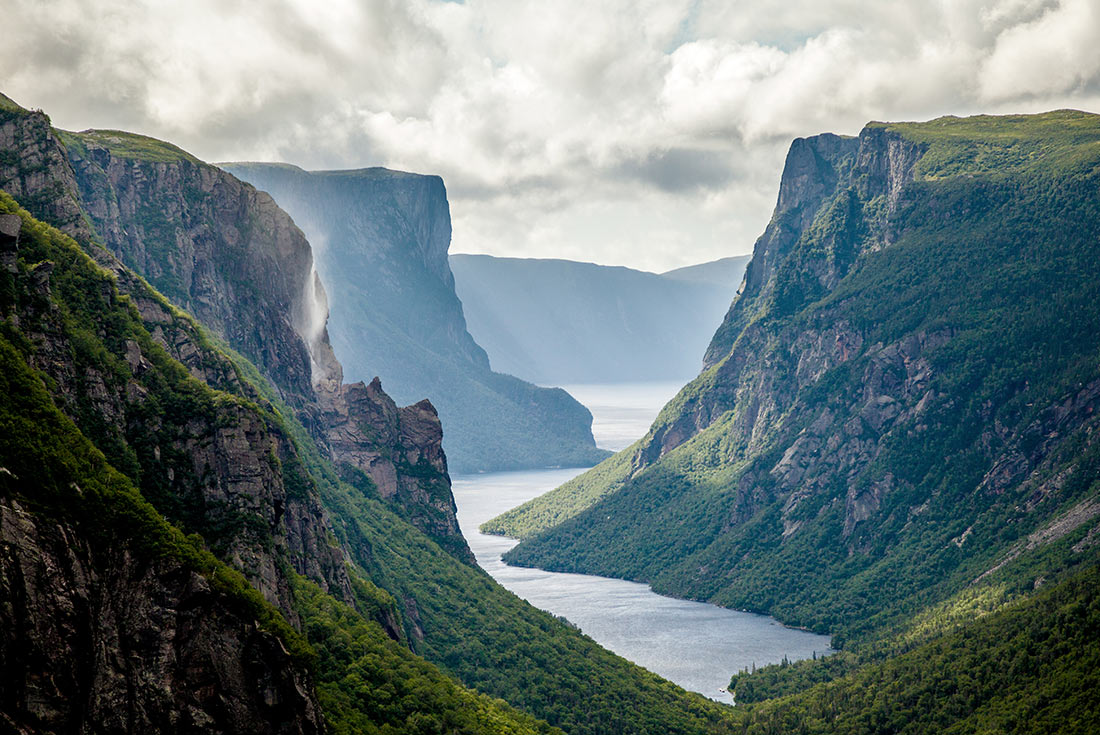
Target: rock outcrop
(400, 450)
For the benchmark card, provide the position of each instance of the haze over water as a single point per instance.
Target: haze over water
(694, 644)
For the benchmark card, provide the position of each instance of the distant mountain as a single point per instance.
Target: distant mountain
(381, 240)
(556, 322)
(721, 272)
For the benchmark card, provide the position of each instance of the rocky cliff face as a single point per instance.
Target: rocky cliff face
(836, 197)
(215, 246)
(98, 640)
(397, 228)
(112, 622)
(890, 360)
(212, 463)
(381, 240)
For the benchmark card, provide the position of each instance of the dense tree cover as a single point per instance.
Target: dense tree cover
(370, 684)
(1031, 667)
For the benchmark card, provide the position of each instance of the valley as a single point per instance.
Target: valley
(693, 644)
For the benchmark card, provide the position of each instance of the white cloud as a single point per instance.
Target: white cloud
(647, 133)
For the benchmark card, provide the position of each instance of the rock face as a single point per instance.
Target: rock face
(38, 173)
(559, 322)
(217, 247)
(400, 450)
(213, 464)
(818, 232)
(104, 642)
(381, 240)
(870, 410)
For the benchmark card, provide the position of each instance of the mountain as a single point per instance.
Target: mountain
(193, 541)
(895, 430)
(722, 272)
(381, 239)
(557, 322)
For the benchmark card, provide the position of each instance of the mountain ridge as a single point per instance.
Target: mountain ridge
(561, 322)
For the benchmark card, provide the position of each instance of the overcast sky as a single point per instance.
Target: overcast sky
(647, 133)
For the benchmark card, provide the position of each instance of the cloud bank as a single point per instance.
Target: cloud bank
(647, 133)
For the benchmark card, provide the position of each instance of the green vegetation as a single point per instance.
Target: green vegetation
(368, 683)
(147, 439)
(1032, 667)
(452, 614)
(51, 467)
(920, 488)
(1008, 266)
(1000, 147)
(125, 145)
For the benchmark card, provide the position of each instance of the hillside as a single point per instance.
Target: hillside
(899, 407)
(381, 240)
(557, 322)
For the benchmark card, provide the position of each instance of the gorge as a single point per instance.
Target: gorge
(892, 441)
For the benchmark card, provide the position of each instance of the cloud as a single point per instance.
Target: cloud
(645, 132)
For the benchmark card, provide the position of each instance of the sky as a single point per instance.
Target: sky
(646, 133)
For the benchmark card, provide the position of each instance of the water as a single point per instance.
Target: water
(622, 412)
(693, 644)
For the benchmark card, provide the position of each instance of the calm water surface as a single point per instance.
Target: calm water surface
(696, 645)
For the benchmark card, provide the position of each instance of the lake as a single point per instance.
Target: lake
(694, 644)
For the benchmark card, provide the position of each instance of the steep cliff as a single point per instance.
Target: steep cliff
(381, 239)
(901, 404)
(559, 322)
(212, 244)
